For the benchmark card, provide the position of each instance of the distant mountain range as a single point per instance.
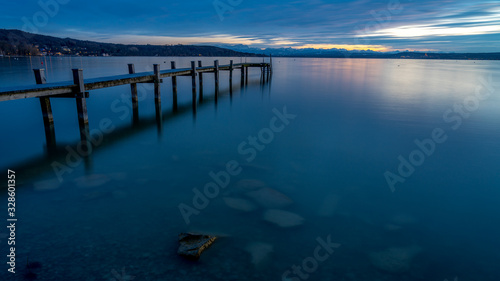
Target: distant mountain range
(18, 43)
(343, 53)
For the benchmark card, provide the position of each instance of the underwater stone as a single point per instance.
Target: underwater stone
(193, 244)
(270, 198)
(283, 218)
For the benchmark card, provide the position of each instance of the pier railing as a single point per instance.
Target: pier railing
(79, 89)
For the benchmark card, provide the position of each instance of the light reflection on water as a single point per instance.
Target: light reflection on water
(354, 118)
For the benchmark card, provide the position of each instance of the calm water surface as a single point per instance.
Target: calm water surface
(355, 123)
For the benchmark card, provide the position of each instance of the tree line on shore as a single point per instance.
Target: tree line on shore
(18, 43)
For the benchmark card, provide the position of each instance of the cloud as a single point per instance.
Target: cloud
(273, 23)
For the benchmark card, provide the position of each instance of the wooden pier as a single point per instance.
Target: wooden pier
(79, 88)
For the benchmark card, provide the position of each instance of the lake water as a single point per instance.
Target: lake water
(385, 170)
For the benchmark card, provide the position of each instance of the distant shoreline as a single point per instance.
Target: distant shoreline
(264, 56)
(18, 43)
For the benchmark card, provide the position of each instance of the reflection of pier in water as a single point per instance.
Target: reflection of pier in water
(84, 148)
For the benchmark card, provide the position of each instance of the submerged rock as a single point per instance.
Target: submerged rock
(47, 185)
(283, 218)
(92, 180)
(394, 260)
(193, 244)
(244, 186)
(259, 251)
(250, 184)
(270, 198)
(239, 204)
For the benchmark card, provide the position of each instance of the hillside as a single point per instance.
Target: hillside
(16, 42)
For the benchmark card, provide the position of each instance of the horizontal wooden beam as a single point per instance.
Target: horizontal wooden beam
(67, 88)
(72, 95)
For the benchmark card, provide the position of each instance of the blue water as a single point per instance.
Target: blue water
(352, 119)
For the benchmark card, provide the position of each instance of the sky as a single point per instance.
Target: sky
(379, 25)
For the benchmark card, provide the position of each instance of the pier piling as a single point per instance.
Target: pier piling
(193, 81)
(157, 81)
(133, 89)
(174, 87)
(201, 81)
(216, 77)
(242, 76)
(81, 106)
(77, 89)
(48, 119)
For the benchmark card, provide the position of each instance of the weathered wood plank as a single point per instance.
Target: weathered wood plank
(193, 81)
(48, 119)
(231, 72)
(157, 82)
(81, 106)
(216, 78)
(135, 101)
(200, 80)
(53, 89)
(174, 87)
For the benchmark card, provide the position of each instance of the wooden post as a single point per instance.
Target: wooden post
(174, 78)
(271, 62)
(231, 77)
(48, 119)
(231, 72)
(159, 113)
(133, 89)
(246, 75)
(193, 81)
(216, 76)
(174, 87)
(81, 106)
(242, 75)
(201, 82)
(157, 81)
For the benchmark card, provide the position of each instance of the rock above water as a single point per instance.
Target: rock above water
(193, 244)
(283, 218)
